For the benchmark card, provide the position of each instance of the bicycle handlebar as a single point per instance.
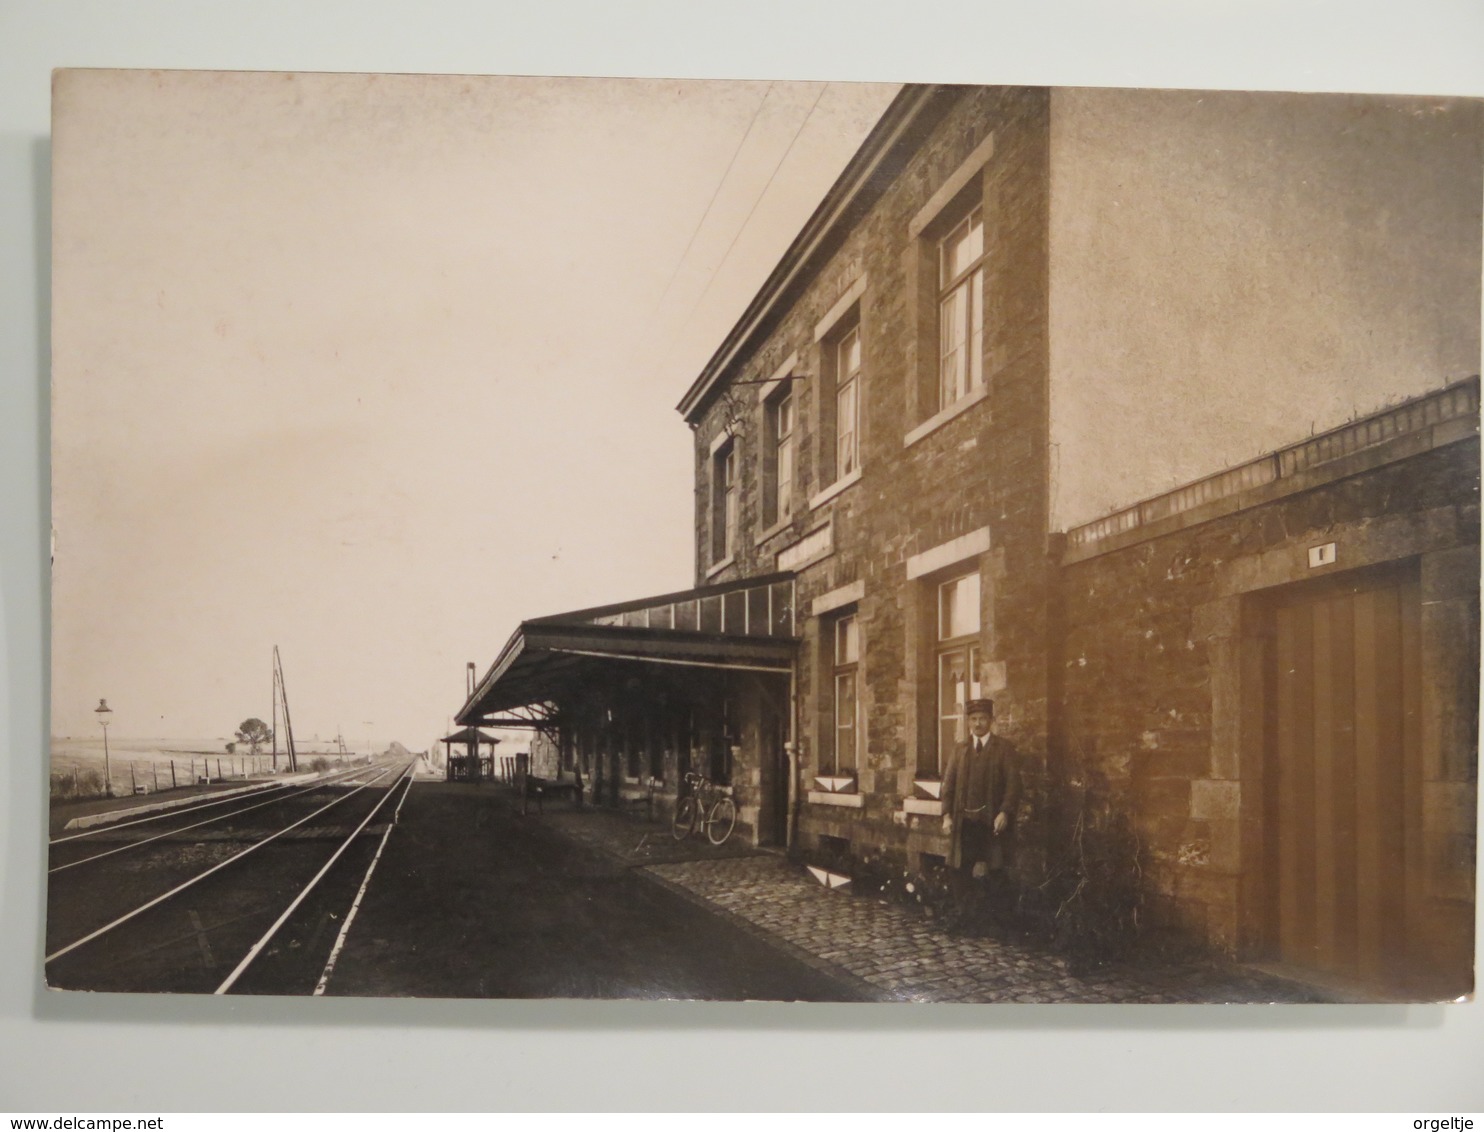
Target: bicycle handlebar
(700, 784)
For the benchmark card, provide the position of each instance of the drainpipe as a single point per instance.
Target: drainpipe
(791, 749)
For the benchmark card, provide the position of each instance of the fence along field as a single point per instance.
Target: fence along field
(158, 765)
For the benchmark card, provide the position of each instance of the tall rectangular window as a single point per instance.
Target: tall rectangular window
(723, 737)
(957, 655)
(633, 750)
(724, 502)
(784, 482)
(961, 310)
(847, 403)
(780, 459)
(845, 734)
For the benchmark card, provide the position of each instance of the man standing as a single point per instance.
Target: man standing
(981, 790)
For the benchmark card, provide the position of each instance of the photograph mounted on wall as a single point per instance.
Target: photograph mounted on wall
(742, 540)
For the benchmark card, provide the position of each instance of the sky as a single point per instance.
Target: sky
(374, 367)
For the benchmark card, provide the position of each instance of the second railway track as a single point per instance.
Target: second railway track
(131, 834)
(247, 901)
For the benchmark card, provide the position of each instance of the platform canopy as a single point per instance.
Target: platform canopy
(741, 626)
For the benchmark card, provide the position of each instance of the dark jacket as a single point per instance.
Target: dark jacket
(976, 787)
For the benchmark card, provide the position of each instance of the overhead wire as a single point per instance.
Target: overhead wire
(759, 200)
(716, 192)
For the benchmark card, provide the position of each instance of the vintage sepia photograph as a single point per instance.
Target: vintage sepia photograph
(594, 538)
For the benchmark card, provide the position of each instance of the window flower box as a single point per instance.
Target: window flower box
(836, 784)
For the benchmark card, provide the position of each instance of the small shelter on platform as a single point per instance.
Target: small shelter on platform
(470, 766)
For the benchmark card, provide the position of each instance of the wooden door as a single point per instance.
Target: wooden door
(773, 822)
(1343, 782)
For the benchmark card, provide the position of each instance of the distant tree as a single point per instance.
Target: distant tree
(231, 748)
(254, 732)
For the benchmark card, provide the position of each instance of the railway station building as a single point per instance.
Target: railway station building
(1152, 416)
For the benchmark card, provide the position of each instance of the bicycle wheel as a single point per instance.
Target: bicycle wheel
(721, 821)
(685, 818)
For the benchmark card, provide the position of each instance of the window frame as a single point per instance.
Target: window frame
(968, 377)
(945, 646)
(725, 501)
(719, 763)
(844, 319)
(843, 668)
(853, 381)
(957, 197)
(781, 448)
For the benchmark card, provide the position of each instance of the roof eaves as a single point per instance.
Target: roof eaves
(662, 599)
(507, 657)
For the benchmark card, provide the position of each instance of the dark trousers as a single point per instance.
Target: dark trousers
(976, 840)
(986, 899)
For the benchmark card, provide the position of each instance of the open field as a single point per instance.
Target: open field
(77, 764)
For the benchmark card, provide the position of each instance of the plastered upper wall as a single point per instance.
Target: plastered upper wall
(1231, 271)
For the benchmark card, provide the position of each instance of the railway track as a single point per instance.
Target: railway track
(247, 897)
(74, 849)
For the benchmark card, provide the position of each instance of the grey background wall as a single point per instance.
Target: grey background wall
(90, 1053)
(1326, 263)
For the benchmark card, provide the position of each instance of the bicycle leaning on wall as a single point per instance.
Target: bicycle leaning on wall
(708, 805)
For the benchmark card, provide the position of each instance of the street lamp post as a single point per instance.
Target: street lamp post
(104, 714)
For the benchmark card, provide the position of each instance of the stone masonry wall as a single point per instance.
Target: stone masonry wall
(1151, 670)
(1122, 670)
(986, 467)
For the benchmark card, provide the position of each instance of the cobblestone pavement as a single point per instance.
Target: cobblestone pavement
(891, 952)
(906, 958)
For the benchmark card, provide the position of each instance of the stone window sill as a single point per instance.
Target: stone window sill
(926, 807)
(720, 566)
(835, 489)
(941, 418)
(775, 530)
(848, 801)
